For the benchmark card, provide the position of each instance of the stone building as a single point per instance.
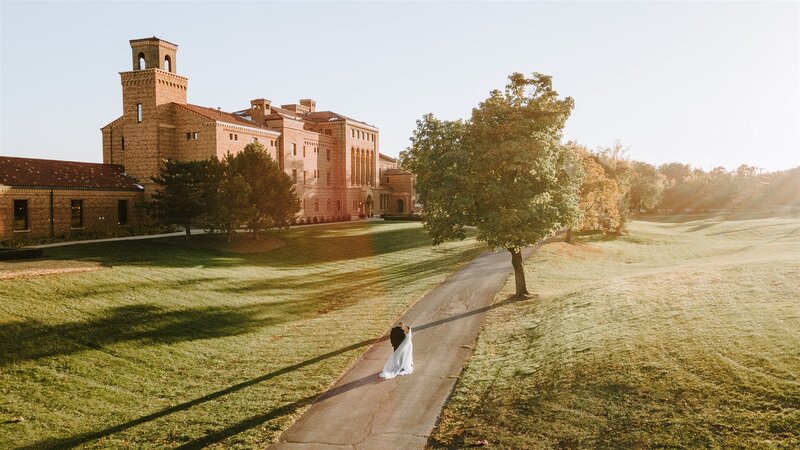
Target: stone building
(48, 198)
(334, 160)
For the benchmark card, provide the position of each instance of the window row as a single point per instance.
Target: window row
(235, 137)
(328, 205)
(315, 174)
(327, 151)
(363, 135)
(76, 209)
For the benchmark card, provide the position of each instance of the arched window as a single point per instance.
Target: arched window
(400, 206)
(329, 204)
(316, 205)
(167, 64)
(142, 64)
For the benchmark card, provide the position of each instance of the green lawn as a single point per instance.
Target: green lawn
(684, 334)
(156, 344)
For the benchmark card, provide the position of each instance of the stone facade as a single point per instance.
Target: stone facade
(333, 159)
(99, 211)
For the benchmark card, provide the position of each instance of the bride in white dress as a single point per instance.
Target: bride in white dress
(402, 360)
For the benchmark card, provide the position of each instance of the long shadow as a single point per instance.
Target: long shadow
(145, 324)
(303, 247)
(353, 281)
(257, 420)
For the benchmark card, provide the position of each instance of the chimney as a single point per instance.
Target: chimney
(259, 110)
(310, 103)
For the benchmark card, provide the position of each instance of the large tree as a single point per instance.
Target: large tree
(599, 197)
(186, 188)
(504, 171)
(255, 191)
(647, 185)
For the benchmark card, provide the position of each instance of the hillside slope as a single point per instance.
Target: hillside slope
(684, 334)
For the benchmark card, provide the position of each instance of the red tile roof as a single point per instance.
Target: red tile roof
(223, 116)
(49, 173)
(326, 116)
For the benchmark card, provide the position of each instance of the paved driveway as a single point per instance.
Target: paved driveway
(363, 411)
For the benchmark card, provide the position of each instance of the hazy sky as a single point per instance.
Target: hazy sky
(705, 83)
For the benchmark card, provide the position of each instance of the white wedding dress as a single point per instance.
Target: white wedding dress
(402, 360)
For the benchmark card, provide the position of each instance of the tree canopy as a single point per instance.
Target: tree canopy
(504, 171)
(247, 188)
(186, 190)
(256, 192)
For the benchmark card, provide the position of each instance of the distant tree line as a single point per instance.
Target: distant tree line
(247, 189)
(615, 187)
(505, 172)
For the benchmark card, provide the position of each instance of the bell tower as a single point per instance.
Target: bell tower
(153, 82)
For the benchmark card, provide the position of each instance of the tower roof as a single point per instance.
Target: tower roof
(153, 38)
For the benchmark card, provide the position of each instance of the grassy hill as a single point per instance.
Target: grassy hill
(684, 334)
(160, 343)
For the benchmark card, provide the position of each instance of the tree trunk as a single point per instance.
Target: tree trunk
(568, 239)
(188, 229)
(519, 272)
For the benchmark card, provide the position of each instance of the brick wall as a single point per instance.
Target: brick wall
(99, 211)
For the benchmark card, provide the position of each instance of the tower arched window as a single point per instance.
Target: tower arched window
(167, 64)
(142, 63)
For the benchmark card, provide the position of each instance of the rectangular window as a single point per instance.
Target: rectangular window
(272, 143)
(294, 149)
(304, 151)
(122, 212)
(329, 178)
(20, 215)
(76, 211)
(123, 143)
(304, 178)
(230, 135)
(353, 132)
(294, 175)
(192, 136)
(235, 137)
(138, 112)
(195, 135)
(328, 154)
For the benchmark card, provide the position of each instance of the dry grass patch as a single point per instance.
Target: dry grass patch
(175, 345)
(684, 334)
(44, 267)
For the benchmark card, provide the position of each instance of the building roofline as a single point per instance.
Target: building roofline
(153, 38)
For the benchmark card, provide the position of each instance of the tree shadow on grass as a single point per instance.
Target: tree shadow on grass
(349, 282)
(259, 419)
(303, 247)
(145, 324)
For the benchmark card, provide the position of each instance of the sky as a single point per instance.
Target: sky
(705, 83)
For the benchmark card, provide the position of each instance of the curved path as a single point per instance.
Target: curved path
(363, 411)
